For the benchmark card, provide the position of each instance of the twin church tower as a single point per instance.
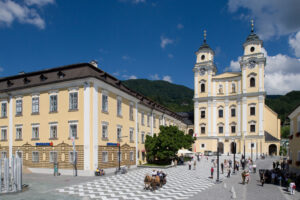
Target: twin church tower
(230, 107)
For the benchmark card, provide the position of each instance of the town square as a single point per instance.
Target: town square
(148, 99)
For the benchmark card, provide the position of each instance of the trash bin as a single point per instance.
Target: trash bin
(55, 167)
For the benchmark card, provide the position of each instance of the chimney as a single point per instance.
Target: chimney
(94, 63)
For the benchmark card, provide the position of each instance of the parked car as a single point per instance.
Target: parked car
(208, 153)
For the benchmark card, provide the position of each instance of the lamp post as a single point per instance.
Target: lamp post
(251, 150)
(218, 161)
(119, 139)
(234, 152)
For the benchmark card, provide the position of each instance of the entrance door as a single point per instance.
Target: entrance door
(221, 147)
(273, 150)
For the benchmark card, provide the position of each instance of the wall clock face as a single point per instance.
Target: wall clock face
(202, 71)
(252, 64)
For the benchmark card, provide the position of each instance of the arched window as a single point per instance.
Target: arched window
(252, 82)
(202, 87)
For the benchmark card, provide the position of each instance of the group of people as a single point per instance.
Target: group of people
(160, 174)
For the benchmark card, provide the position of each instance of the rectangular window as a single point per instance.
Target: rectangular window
(104, 156)
(232, 112)
(221, 113)
(104, 103)
(154, 121)
(3, 109)
(221, 129)
(35, 132)
(73, 130)
(252, 110)
(72, 158)
(148, 120)
(131, 155)
(3, 134)
(3, 154)
(143, 119)
(53, 157)
(19, 103)
(53, 103)
(119, 107)
(202, 129)
(18, 133)
(73, 100)
(232, 129)
(252, 128)
(131, 111)
(131, 134)
(35, 156)
(143, 137)
(53, 131)
(35, 104)
(202, 114)
(202, 146)
(105, 130)
(119, 132)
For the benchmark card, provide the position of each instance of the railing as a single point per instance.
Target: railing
(10, 176)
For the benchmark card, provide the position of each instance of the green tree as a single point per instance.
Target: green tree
(285, 131)
(162, 148)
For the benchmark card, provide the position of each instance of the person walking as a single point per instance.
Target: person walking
(292, 188)
(212, 172)
(190, 165)
(230, 163)
(222, 168)
(195, 164)
(262, 179)
(175, 162)
(228, 172)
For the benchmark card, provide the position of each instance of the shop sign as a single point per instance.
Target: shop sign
(44, 144)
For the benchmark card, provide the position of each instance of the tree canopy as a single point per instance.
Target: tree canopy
(162, 148)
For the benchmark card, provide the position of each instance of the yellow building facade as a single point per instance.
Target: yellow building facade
(230, 107)
(43, 113)
(294, 148)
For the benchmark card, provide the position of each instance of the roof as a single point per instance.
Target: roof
(270, 138)
(205, 46)
(74, 72)
(188, 117)
(228, 75)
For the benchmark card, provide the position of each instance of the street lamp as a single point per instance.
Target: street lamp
(252, 150)
(233, 149)
(119, 139)
(218, 170)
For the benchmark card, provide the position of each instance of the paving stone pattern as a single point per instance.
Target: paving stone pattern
(181, 184)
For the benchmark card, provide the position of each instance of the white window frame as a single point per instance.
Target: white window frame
(72, 123)
(51, 158)
(220, 108)
(5, 135)
(202, 110)
(119, 131)
(104, 135)
(33, 127)
(131, 156)
(252, 76)
(19, 106)
(35, 159)
(104, 101)
(4, 109)
(233, 107)
(232, 124)
(119, 106)
(220, 125)
(252, 105)
(252, 123)
(53, 102)
(35, 103)
(143, 119)
(73, 100)
(131, 111)
(53, 124)
(104, 156)
(143, 137)
(131, 134)
(201, 126)
(19, 137)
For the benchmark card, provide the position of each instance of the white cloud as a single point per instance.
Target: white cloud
(167, 78)
(234, 66)
(125, 57)
(165, 41)
(294, 42)
(180, 26)
(154, 77)
(273, 17)
(11, 11)
(170, 55)
(282, 73)
(116, 73)
(129, 76)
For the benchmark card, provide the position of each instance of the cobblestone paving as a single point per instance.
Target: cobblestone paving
(181, 184)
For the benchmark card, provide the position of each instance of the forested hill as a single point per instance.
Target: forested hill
(179, 98)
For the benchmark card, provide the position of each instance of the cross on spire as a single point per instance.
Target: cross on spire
(252, 25)
(204, 34)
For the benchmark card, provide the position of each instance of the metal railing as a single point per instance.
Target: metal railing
(10, 176)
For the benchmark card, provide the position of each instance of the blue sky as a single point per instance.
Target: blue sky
(152, 39)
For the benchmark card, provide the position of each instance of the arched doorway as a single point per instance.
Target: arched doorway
(273, 150)
(191, 132)
(221, 147)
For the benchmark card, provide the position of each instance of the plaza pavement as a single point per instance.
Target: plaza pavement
(182, 184)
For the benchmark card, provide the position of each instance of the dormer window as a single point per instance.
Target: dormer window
(26, 80)
(9, 83)
(60, 74)
(43, 77)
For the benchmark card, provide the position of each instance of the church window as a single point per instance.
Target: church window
(202, 57)
(220, 113)
(252, 82)
(233, 129)
(252, 128)
(202, 87)
(202, 114)
(232, 112)
(202, 129)
(221, 129)
(252, 49)
(252, 110)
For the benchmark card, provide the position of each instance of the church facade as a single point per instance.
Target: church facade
(230, 107)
